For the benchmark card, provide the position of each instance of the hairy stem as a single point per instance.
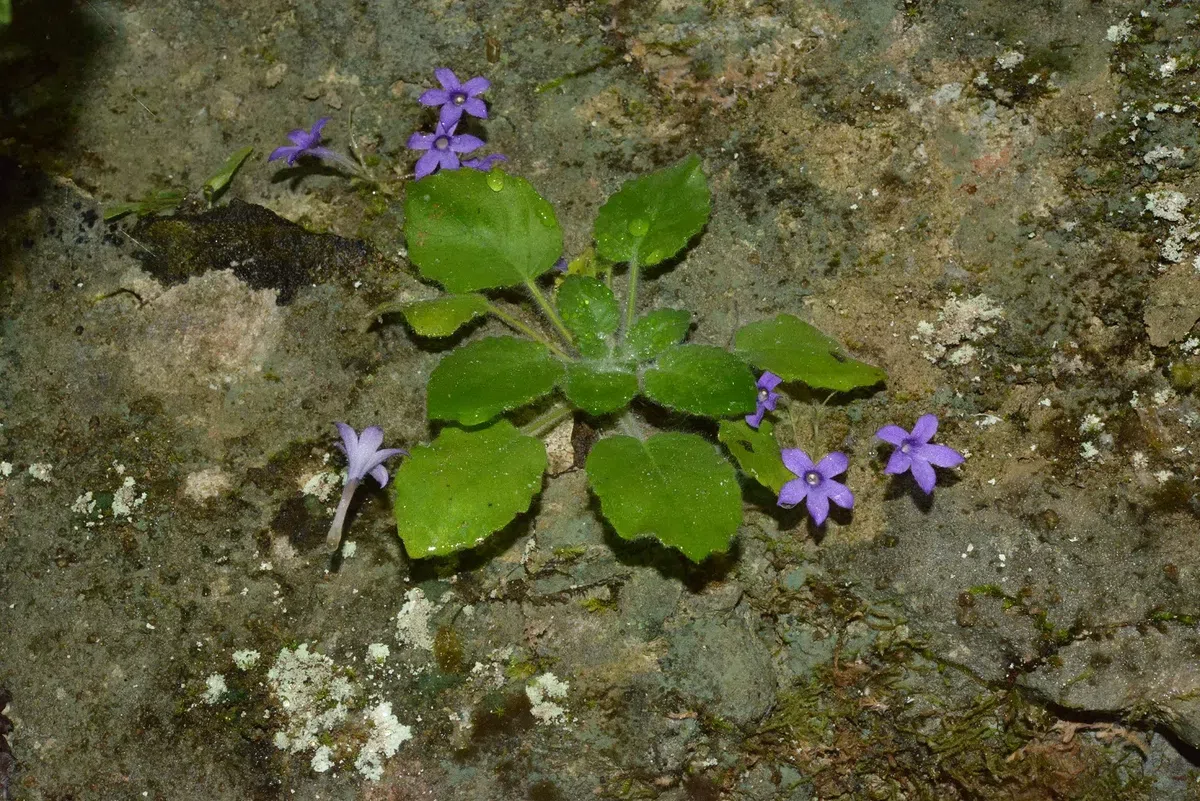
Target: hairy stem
(549, 311)
(517, 324)
(631, 295)
(547, 420)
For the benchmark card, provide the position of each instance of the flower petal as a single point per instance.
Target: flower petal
(940, 455)
(797, 461)
(447, 79)
(476, 86)
(434, 97)
(349, 438)
(421, 141)
(926, 426)
(899, 462)
(465, 143)
(893, 435)
(370, 439)
(771, 401)
(793, 492)
(475, 107)
(427, 163)
(379, 473)
(447, 160)
(833, 465)
(755, 420)
(282, 152)
(924, 475)
(316, 129)
(818, 506)
(449, 116)
(300, 137)
(769, 380)
(839, 493)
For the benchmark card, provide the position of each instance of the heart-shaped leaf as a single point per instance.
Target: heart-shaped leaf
(470, 230)
(479, 381)
(652, 218)
(756, 451)
(599, 389)
(589, 308)
(439, 317)
(701, 379)
(674, 487)
(656, 332)
(454, 492)
(796, 351)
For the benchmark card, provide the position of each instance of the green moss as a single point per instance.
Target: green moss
(448, 650)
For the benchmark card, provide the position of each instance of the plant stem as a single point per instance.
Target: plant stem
(533, 334)
(547, 420)
(549, 311)
(334, 539)
(631, 294)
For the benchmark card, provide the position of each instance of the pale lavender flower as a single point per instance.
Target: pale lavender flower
(455, 97)
(814, 483)
(442, 149)
(486, 163)
(767, 398)
(915, 452)
(562, 265)
(364, 458)
(308, 143)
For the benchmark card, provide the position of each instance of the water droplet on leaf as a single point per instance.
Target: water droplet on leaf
(495, 180)
(654, 257)
(639, 226)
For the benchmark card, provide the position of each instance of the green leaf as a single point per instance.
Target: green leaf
(756, 452)
(470, 230)
(652, 218)
(701, 379)
(599, 389)
(479, 381)
(795, 351)
(590, 310)
(439, 317)
(674, 487)
(454, 492)
(151, 203)
(5, 12)
(656, 332)
(221, 178)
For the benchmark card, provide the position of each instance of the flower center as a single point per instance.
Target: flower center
(905, 447)
(458, 98)
(441, 143)
(763, 395)
(812, 478)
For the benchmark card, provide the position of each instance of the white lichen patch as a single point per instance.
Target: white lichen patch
(1161, 154)
(1089, 451)
(1009, 59)
(6, 469)
(349, 549)
(84, 504)
(1091, 424)
(204, 484)
(960, 322)
(412, 621)
(1120, 32)
(313, 694)
(322, 759)
(322, 485)
(378, 652)
(387, 735)
(126, 499)
(1167, 204)
(246, 659)
(540, 692)
(214, 688)
(40, 471)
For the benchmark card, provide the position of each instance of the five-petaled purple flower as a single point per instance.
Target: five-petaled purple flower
(442, 149)
(308, 143)
(365, 458)
(814, 483)
(767, 398)
(455, 98)
(915, 452)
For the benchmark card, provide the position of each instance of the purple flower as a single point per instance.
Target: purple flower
(365, 458)
(562, 265)
(442, 149)
(486, 163)
(815, 483)
(307, 143)
(914, 451)
(767, 398)
(455, 97)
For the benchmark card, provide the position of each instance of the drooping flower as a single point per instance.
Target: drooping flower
(915, 452)
(442, 149)
(767, 398)
(364, 458)
(814, 483)
(308, 143)
(486, 163)
(455, 97)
